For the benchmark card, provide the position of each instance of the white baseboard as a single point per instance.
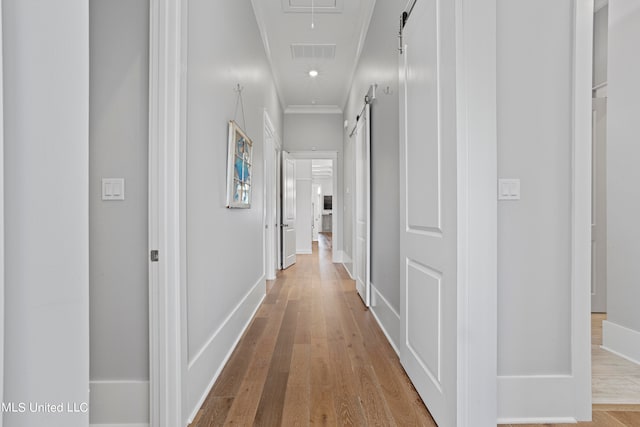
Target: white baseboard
(536, 421)
(119, 403)
(387, 317)
(338, 256)
(118, 425)
(621, 341)
(206, 365)
(344, 264)
(304, 252)
(545, 399)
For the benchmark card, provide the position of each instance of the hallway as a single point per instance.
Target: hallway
(313, 355)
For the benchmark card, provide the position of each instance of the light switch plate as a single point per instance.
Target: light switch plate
(508, 189)
(112, 188)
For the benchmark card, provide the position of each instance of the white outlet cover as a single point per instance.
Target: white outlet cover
(508, 189)
(112, 188)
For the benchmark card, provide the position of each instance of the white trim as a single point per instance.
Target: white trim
(344, 264)
(548, 397)
(119, 402)
(2, 302)
(313, 109)
(166, 299)
(545, 421)
(477, 212)
(118, 425)
(581, 211)
(270, 236)
(311, 155)
(622, 341)
(304, 252)
(387, 313)
(338, 216)
(218, 349)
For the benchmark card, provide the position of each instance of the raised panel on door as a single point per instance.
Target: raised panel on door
(288, 210)
(428, 348)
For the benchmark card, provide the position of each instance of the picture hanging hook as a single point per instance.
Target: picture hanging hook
(238, 89)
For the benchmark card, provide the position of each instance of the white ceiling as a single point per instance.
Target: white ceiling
(342, 23)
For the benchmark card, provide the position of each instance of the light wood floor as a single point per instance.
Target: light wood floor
(313, 356)
(615, 379)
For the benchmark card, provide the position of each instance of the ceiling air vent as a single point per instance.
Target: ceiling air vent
(313, 51)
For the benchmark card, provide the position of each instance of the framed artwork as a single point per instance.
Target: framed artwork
(239, 168)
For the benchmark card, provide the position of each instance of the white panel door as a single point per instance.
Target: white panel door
(271, 215)
(428, 193)
(599, 207)
(362, 205)
(288, 210)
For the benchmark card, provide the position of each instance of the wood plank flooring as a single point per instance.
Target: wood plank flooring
(615, 380)
(313, 355)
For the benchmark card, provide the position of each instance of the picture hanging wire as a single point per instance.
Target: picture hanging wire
(239, 90)
(368, 99)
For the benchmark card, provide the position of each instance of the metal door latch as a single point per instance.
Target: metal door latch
(155, 255)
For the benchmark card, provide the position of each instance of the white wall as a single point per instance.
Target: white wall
(118, 139)
(379, 64)
(600, 43)
(534, 254)
(622, 329)
(303, 206)
(224, 247)
(46, 119)
(326, 185)
(304, 132)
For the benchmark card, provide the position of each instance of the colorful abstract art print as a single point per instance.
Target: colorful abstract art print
(239, 168)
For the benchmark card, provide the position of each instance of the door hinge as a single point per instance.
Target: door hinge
(155, 255)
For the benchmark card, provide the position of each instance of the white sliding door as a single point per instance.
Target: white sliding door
(363, 207)
(428, 239)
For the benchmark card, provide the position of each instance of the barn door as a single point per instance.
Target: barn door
(428, 196)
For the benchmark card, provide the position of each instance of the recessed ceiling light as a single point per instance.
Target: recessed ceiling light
(313, 73)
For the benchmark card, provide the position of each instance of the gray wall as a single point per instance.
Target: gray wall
(118, 240)
(600, 42)
(623, 174)
(303, 132)
(534, 144)
(46, 123)
(379, 64)
(224, 247)
(119, 117)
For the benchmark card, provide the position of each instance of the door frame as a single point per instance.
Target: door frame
(477, 241)
(270, 218)
(337, 201)
(1, 218)
(581, 208)
(167, 136)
